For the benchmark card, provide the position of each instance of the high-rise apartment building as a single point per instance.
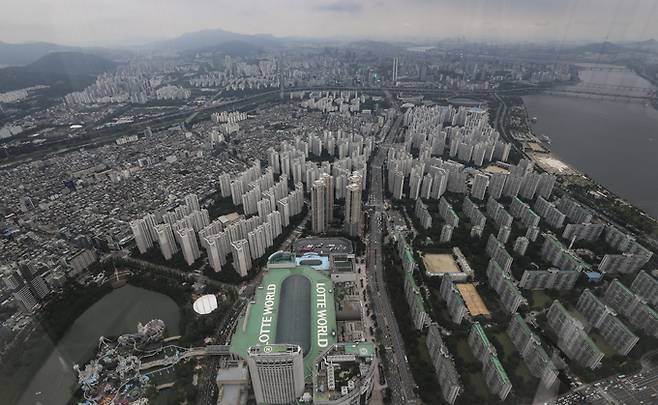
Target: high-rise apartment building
(529, 346)
(572, 338)
(237, 189)
(444, 365)
(604, 318)
(353, 203)
(396, 66)
(142, 235)
(479, 187)
(646, 286)
(166, 240)
(329, 191)
(494, 374)
(318, 207)
(241, 256)
(192, 201)
(189, 245)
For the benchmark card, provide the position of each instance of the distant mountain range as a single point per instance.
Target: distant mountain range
(219, 41)
(216, 40)
(63, 71)
(211, 38)
(23, 54)
(232, 43)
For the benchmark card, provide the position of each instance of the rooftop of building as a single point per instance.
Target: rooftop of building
(313, 260)
(323, 246)
(281, 257)
(292, 305)
(338, 372)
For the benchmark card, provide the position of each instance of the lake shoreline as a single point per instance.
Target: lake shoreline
(68, 348)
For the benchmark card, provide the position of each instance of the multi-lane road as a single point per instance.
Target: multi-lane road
(636, 389)
(399, 378)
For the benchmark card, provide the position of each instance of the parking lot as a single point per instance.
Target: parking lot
(323, 246)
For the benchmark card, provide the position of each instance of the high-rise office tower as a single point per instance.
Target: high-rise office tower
(318, 206)
(277, 373)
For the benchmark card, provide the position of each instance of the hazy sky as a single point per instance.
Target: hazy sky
(113, 22)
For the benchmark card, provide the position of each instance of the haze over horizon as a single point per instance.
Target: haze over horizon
(126, 22)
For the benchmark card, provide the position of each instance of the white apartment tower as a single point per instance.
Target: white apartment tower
(353, 206)
(142, 235)
(241, 256)
(166, 241)
(318, 206)
(189, 245)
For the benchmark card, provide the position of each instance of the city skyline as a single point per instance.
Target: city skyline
(123, 23)
(330, 221)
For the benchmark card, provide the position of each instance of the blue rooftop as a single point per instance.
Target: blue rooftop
(314, 261)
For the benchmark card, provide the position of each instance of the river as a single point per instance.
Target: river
(115, 314)
(614, 142)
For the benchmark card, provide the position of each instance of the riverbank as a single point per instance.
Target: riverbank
(612, 147)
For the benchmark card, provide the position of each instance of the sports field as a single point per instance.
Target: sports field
(440, 263)
(472, 299)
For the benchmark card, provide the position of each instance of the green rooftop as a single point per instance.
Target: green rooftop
(408, 255)
(277, 314)
(361, 349)
(651, 311)
(501, 371)
(483, 336)
(524, 326)
(623, 287)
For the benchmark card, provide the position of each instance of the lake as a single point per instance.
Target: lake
(116, 313)
(614, 142)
